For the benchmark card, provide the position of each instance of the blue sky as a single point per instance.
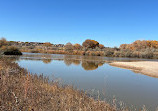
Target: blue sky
(110, 22)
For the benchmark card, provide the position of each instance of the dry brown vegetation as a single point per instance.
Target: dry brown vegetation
(23, 91)
(138, 45)
(139, 49)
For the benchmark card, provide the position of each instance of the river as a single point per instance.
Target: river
(95, 76)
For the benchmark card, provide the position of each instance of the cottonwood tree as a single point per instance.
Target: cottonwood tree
(90, 44)
(77, 46)
(47, 44)
(68, 47)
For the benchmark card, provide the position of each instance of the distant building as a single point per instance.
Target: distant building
(19, 43)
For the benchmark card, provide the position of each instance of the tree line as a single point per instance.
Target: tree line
(137, 49)
(87, 44)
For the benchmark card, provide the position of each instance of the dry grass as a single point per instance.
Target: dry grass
(73, 52)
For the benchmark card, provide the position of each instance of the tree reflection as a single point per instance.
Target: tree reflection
(47, 61)
(88, 63)
(76, 62)
(68, 61)
(91, 65)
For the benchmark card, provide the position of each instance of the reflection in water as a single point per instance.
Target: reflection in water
(86, 64)
(47, 61)
(91, 65)
(68, 60)
(76, 62)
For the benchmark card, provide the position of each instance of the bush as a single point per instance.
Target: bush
(77, 47)
(34, 51)
(146, 54)
(11, 51)
(3, 42)
(108, 53)
(68, 47)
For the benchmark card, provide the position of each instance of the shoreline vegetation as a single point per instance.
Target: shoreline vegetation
(149, 68)
(138, 49)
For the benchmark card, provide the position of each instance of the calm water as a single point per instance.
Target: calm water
(95, 75)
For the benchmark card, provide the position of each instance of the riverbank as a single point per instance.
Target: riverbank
(149, 68)
(21, 90)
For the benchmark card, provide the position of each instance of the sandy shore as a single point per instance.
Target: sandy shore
(149, 68)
